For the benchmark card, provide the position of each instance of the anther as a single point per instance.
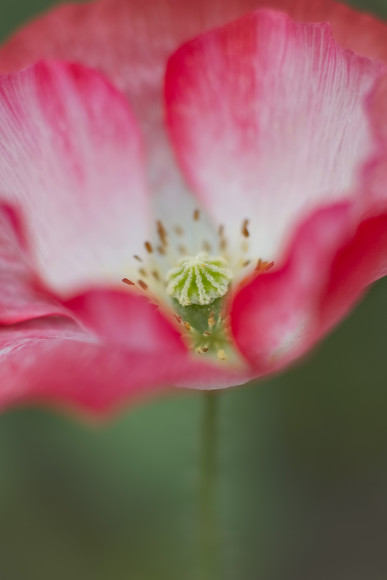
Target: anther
(148, 247)
(127, 281)
(137, 258)
(221, 354)
(187, 325)
(178, 230)
(196, 215)
(143, 272)
(182, 250)
(245, 231)
(245, 246)
(162, 233)
(263, 266)
(142, 284)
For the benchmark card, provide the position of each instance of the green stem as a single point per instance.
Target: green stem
(208, 527)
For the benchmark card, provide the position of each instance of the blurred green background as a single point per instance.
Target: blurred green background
(302, 462)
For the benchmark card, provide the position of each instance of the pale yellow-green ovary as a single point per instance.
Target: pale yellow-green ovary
(201, 269)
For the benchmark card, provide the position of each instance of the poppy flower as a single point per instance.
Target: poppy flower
(192, 193)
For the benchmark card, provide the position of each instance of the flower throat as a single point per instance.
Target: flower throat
(196, 285)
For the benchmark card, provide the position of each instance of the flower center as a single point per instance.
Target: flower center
(200, 279)
(196, 284)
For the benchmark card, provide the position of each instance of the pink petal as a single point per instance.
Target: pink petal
(372, 186)
(109, 34)
(71, 162)
(19, 297)
(361, 32)
(276, 317)
(267, 118)
(127, 320)
(281, 314)
(362, 260)
(52, 360)
(131, 40)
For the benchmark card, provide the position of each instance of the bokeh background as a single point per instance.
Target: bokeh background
(302, 464)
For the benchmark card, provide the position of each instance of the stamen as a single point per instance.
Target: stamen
(197, 284)
(221, 354)
(223, 245)
(263, 266)
(245, 231)
(182, 250)
(178, 230)
(162, 233)
(127, 281)
(245, 246)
